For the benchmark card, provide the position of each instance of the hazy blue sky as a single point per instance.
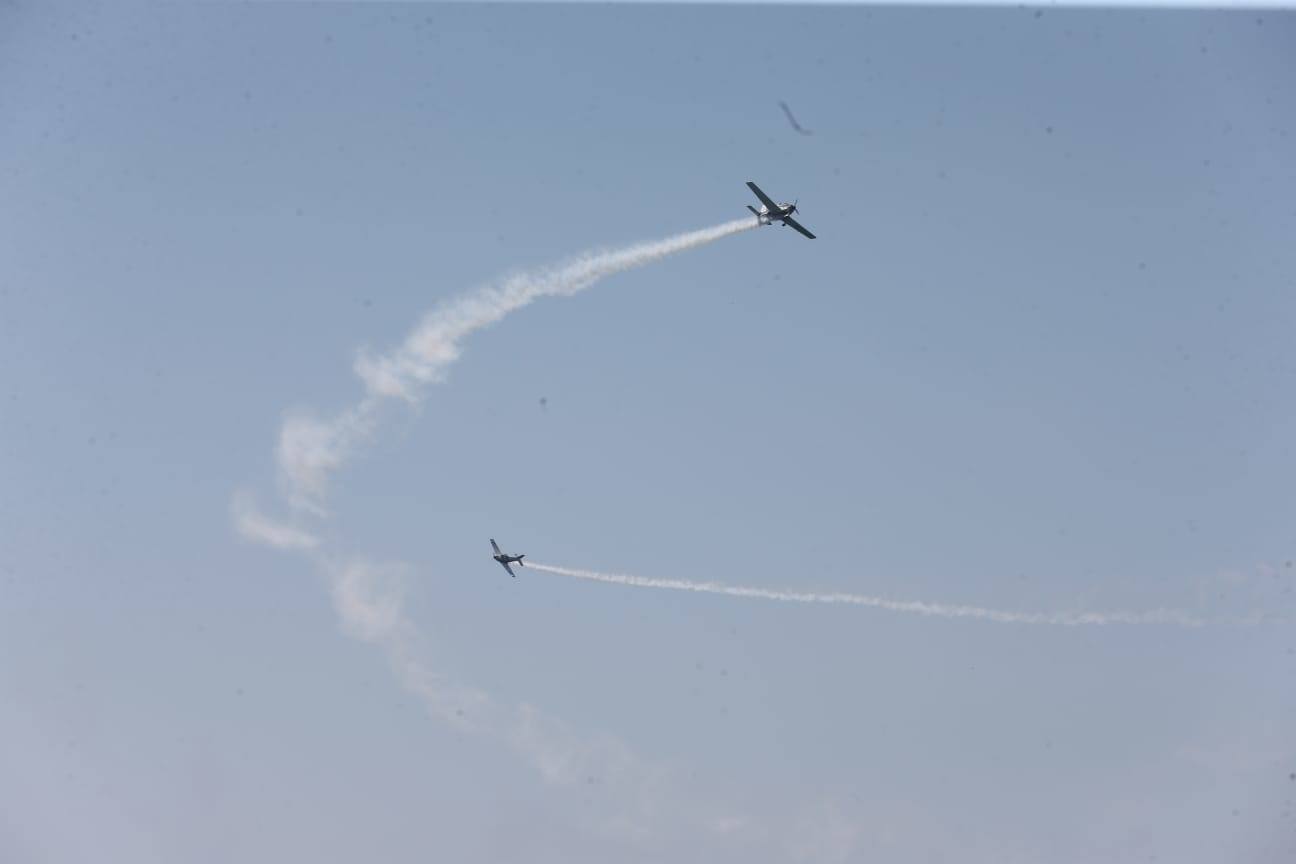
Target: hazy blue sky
(1041, 358)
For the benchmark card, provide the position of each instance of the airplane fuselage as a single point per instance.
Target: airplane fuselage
(767, 216)
(509, 559)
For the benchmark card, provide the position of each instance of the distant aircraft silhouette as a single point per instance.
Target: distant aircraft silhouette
(795, 125)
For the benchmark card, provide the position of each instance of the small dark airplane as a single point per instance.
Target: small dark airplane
(506, 560)
(792, 121)
(772, 212)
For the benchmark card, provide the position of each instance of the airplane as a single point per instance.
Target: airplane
(772, 212)
(506, 560)
(787, 112)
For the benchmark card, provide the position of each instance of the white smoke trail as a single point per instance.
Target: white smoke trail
(253, 525)
(311, 450)
(368, 597)
(914, 607)
(369, 600)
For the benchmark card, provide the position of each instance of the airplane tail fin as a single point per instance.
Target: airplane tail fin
(520, 557)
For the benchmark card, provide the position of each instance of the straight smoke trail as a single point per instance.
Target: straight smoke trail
(311, 450)
(913, 607)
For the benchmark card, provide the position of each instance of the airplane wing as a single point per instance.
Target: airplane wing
(495, 546)
(765, 199)
(798, 226)
(508, 568)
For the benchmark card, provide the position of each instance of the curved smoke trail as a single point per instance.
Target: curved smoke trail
(367, 596)
(310, 450)
(914, 607)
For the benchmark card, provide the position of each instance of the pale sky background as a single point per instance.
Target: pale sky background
(1041, 358)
